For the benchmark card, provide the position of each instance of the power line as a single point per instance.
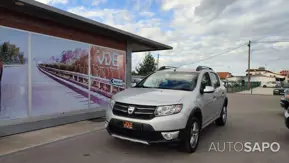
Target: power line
(276, 41)
(216, 55)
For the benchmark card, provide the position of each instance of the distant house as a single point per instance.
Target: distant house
(284, 73)
(263, 72)
(262, 75)
(224, 75)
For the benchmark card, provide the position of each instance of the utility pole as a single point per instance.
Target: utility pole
(249, 60)
(158, 61)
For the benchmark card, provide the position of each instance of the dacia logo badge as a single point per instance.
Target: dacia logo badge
(130, 109)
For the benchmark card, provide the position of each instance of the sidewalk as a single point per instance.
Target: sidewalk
(19, 142)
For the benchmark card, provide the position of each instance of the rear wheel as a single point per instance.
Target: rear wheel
(264, 86)
(191, 136)
(221, 121)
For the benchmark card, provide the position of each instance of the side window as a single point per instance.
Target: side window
(215, 79)
(206, 77)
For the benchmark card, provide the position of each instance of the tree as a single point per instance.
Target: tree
(4, 52)
(21, 59)
(133, 73)
(147, 66)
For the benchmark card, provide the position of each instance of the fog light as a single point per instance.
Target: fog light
(105, 124)
(170, 135)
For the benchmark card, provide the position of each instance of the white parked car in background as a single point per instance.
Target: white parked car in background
(271, 84)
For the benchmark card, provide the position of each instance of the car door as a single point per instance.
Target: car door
(218, 94)
(207, 100)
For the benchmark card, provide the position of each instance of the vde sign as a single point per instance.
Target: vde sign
(117, 82)
(108, 59)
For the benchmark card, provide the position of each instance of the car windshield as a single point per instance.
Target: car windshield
(170, 80)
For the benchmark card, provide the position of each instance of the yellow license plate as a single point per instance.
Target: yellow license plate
(128, 125)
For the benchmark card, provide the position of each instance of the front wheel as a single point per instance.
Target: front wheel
(287, 122)
(191, 136)
(221, 121)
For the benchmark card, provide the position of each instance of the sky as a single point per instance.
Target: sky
(44, 47)
(199, 29)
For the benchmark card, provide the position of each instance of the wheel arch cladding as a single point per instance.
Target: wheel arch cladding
(226, 102)
(198, 114)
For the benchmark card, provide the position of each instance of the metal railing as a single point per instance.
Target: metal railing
(238, 87)
(98, 85)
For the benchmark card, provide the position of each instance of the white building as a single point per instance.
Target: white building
(260, 75)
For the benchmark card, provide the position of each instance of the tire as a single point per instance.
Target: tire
(188, 143)
(221, 121)
(264, 86)
(287, 122)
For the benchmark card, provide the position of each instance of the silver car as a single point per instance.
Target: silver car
(170, 105)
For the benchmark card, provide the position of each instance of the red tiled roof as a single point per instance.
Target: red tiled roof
(224, 75)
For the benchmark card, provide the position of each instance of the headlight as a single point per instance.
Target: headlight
(111, 103)
(168, 110)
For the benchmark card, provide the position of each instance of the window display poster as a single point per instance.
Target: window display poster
(59, 75)
(13, 73)
(107, 70)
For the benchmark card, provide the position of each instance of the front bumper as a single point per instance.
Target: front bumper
(141, 133)
(163, 123)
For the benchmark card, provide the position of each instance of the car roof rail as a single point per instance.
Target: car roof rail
(199, 68)
(166, 67)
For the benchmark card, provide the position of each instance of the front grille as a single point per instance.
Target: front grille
(140, 112)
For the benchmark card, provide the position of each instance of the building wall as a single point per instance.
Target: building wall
(262, 79)
(62, 72)
(266, 74)
(235, 78)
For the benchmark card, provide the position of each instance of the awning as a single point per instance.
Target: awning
(49, 13)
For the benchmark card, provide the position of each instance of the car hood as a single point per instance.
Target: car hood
(150, 96)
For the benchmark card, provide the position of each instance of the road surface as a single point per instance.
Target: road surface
(14, 92)
(251, 119)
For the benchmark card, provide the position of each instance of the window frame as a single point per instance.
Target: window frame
(214, 75)
(207, 73)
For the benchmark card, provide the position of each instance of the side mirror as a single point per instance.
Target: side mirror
(209, 89)
(133, 84)
(203, 85)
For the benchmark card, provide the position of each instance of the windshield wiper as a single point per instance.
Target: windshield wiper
(141, 86)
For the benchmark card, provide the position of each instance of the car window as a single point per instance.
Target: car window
(215, 79)
(170, 80)
(206, 77)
